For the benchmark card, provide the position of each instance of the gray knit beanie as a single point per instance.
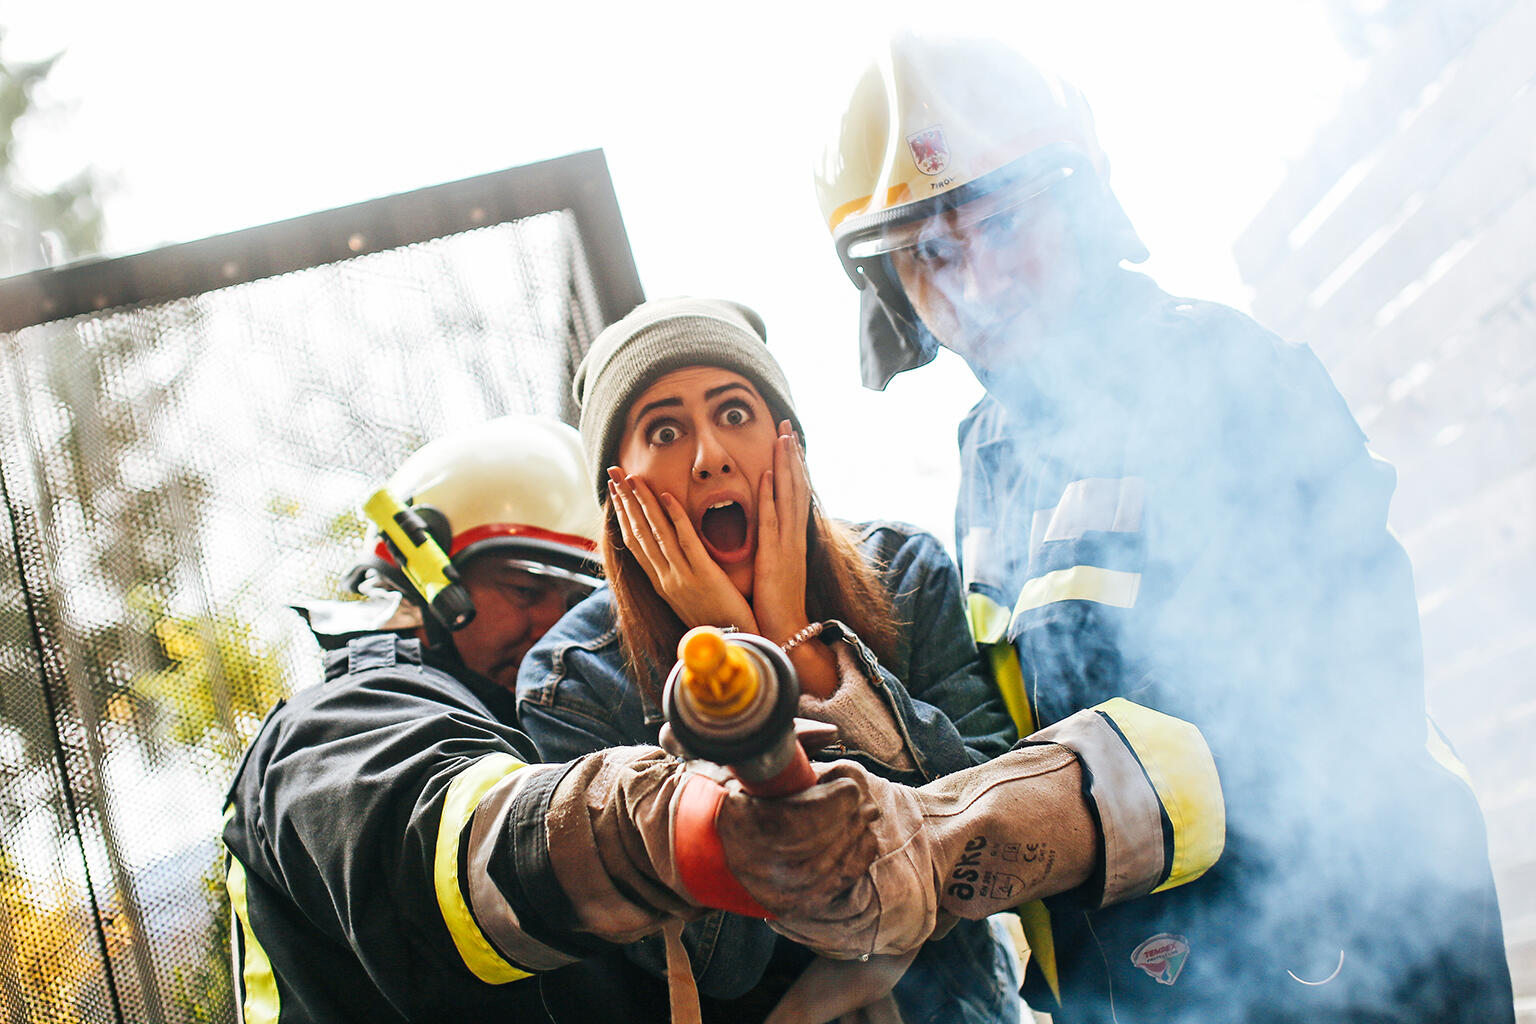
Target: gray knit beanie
(656, 338)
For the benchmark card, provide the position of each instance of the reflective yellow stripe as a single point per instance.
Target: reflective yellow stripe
(1186, 785)
(1080, 583)
(464, 795)
(988, 619)
(1441, 751)
(261, 1002)
(1035, 919)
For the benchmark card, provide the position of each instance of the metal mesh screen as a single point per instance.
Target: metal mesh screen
(173, 473)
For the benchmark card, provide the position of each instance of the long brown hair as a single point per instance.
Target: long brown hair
(839, 584)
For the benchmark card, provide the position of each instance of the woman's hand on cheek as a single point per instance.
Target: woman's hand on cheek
(665, 544)
(783, 509)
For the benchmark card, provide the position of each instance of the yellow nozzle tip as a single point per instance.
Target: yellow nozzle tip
(702, 649)
(719, 677)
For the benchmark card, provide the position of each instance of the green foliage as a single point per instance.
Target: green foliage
(17, 80)
(71, 211)
(221, 680)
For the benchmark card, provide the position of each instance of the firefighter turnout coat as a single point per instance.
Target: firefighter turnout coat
(387, 858)
(1174, 506)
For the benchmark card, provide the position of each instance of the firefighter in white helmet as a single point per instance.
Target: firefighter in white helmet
(396, 851)
(1162, 501)
(540, 531)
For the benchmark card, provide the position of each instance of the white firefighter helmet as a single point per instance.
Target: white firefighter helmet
(516, 485)
(965, 124)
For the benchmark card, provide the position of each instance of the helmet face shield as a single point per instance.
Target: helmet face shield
(571, 585)
(1003, 211)
(893, 337)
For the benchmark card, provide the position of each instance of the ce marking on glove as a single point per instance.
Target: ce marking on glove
(971, 877)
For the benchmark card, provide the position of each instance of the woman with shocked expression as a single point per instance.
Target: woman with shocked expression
(709, 518)
(712, 499)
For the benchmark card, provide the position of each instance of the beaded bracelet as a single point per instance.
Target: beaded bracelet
(814, 629)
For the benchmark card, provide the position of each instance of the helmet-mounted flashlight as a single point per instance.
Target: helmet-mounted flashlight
(422, 559)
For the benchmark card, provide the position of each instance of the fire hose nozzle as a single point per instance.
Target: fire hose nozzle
(731, 699)
(720, 679)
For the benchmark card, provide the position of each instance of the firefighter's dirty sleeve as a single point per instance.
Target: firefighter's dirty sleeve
(1154, 792)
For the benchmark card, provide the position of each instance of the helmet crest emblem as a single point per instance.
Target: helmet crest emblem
(929, 150)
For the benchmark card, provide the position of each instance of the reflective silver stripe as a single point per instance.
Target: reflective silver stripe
(1097, 503)
(1129, 812)
(492, 911)
(974, 551)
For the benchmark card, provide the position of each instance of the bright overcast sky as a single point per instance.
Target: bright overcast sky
(213, 117)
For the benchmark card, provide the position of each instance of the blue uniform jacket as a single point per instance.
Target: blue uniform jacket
(1174, 506)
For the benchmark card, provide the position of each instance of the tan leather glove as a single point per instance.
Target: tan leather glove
(608, 830)
(613, 826)
(972, 843)
(998, 835)
(852, 878)
(1012, 830)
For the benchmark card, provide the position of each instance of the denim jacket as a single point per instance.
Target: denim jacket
(574, 697)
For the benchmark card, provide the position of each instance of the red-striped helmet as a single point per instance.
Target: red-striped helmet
(516, 486)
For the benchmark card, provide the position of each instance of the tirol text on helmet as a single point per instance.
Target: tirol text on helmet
(955, 131)
(514, 486)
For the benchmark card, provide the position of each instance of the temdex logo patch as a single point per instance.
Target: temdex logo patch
(1162, 956)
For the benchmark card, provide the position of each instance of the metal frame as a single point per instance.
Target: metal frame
(579, 182)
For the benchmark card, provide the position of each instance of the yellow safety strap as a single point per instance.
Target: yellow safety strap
(464, 795)
(1009, 678)
(988, 619)
(1035, 919)
(989, 625)
(1186, 786)
(260, 1004)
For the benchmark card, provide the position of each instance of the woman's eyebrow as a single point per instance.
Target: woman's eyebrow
(660, 403)
(714, 392)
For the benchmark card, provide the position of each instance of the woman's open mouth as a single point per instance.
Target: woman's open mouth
(726, 531)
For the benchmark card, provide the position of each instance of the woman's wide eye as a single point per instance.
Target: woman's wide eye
(663, 433)
(735, 415)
